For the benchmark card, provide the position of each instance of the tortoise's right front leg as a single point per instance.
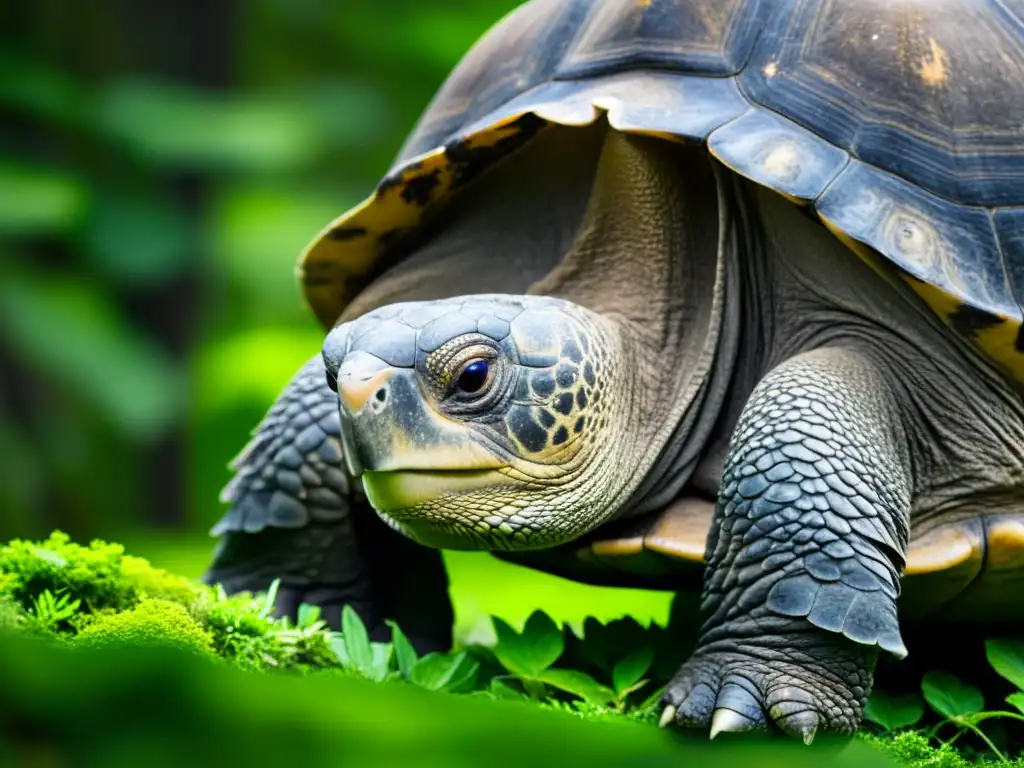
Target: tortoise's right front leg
(804, 554)
(295, 517)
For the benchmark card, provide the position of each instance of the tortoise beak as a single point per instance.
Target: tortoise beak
(360, 377)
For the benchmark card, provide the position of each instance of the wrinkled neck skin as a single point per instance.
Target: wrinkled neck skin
(658, 256)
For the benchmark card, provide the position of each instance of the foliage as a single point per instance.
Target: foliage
(99, 575)
(960, 710)
(893, 712)
(913, 748)
(127, 705)
(97, 596)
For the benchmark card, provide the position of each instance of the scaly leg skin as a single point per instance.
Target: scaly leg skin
(804, 554)
(294, 517)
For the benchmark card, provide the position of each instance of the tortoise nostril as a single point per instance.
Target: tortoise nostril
(382, 394)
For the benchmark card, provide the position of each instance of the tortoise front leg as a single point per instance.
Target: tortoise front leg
(804, 554)
(294, 517)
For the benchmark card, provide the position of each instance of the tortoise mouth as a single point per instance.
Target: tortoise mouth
(468, 509)
(404, 490)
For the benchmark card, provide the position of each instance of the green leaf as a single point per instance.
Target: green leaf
(338, 646)
(270, 599)
(950, 696)
(1007, 658)
(34, 201)
(464, 676)
(502, 689)
(139, 241)
(1016, 700)
(440, 671)
(380, 662)
(188, 128)
(308, 615)
(533, 651)
(894, 711)
(579, 684)
(357, 642)
(405, 654)
(72, 333)
(432, 671)
(630, 668)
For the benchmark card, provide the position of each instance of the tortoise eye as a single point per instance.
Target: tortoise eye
(473, 376)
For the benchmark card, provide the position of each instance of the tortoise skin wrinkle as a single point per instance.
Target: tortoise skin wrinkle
(724, 297)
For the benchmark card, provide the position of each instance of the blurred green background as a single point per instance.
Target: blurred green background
(161, 167)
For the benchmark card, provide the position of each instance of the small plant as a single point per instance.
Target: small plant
(1007, 658)
(529, 656)
(958, 704)
(520, 665)
(355, 651)
(49, 612)
(451, 672)
(894, 712)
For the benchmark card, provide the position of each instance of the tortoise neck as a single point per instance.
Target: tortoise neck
(697, 411)
(654, 256)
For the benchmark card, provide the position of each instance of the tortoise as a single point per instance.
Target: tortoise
(717, 297)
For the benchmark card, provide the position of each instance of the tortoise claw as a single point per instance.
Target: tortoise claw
(729, 721)
(805, 725)
(668, 714)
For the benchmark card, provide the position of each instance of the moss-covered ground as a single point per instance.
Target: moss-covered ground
(84, 629)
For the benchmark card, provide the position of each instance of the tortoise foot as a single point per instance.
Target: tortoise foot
(799, 683)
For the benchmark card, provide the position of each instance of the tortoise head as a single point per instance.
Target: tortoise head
(482, 421)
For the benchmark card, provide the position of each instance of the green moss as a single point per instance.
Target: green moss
(911, 748)
(91, 574)
(99, 593)
(237, 630)
(10, 613)
(151, 621)
(156, 582)
(100, 575)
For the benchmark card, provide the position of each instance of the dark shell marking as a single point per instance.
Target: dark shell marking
(896, 122)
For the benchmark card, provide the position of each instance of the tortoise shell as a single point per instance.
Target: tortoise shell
(899, 124)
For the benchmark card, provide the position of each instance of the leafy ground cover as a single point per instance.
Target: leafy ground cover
(80, 607)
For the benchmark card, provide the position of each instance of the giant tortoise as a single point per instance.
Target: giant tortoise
(704, 295)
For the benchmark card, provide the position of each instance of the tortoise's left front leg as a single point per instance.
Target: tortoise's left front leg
(804, 554)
